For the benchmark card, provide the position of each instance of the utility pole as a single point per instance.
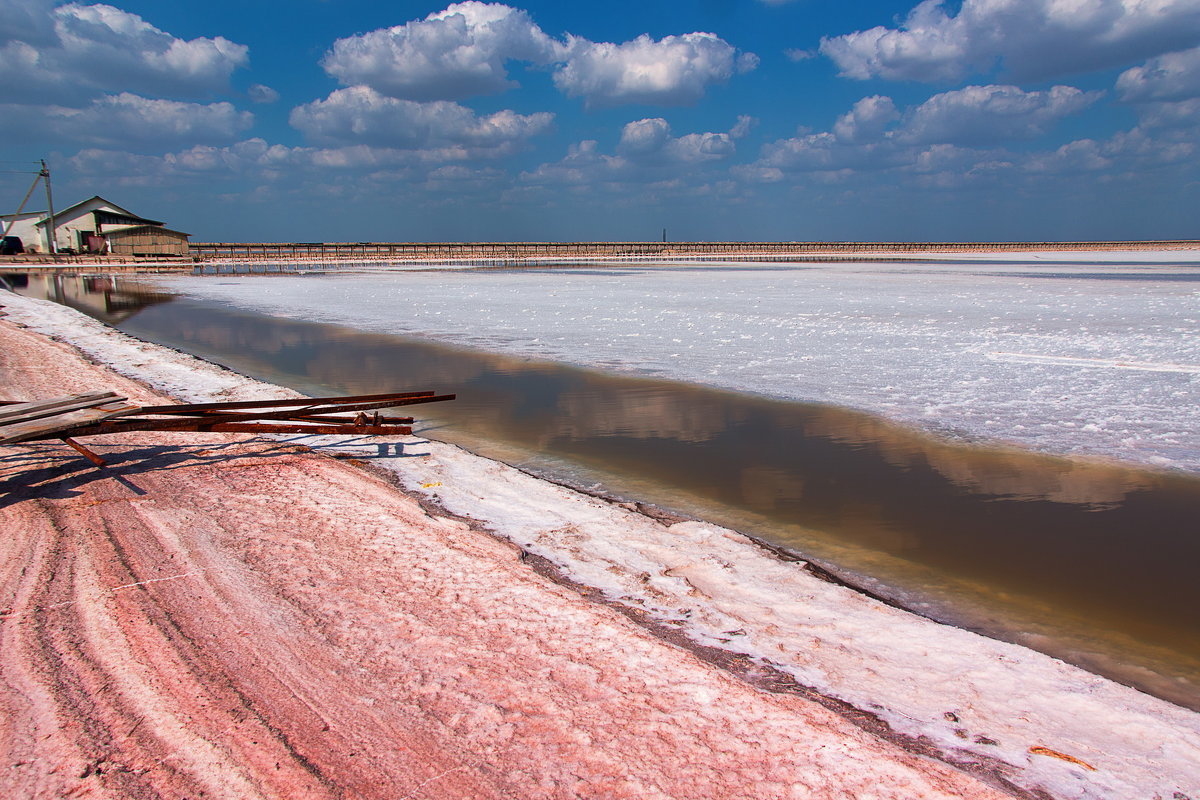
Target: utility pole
(20, 208)
(37, 177)
(50, 237)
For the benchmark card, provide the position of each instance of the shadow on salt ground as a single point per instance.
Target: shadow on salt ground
(54, 472)
(362, 448)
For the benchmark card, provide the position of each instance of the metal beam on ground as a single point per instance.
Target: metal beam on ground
(100, 413)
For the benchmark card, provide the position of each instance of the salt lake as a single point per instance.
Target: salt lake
(847, 413)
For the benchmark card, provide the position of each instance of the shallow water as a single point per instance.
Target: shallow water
(1091, 562)
(1070, 359)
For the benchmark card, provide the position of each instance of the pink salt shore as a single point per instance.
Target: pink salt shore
(230, 617)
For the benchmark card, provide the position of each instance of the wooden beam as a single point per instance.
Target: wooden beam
(55, 424)
(83, 451)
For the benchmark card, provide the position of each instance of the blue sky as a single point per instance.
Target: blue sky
(307, 120)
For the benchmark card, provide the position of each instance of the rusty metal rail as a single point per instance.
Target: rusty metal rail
(101, 413)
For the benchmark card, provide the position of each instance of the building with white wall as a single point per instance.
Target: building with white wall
(96, 226)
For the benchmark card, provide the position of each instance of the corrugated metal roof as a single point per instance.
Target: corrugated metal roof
(156, 227)
(109, 218)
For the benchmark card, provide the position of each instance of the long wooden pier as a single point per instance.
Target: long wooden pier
(406, 251)
(337, 254)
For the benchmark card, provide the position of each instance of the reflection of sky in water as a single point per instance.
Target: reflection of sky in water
(1034, 546)
(1091, 357)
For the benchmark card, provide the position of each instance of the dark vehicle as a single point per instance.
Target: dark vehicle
(11, 246)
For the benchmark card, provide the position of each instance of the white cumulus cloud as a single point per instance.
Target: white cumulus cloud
(1128, 152)
(258, 93)
(1028, 39)
(823, 152)
(650, 139)
(1172, 76)
(99, 47)
(464, 51)
(333, 169)
(957, 139)
(644, 136)
(452, 54)
(108, 45)
(1180, 114)
(954, 135)
(674, 70)
(126, 119)
(249, 158)
(978, 115)
(583, 164)
(27, 21)
(867, 120)
(647, 153)
(359, 115)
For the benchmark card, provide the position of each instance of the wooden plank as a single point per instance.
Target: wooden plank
(53, 426)
(67, 402)
(45, 408)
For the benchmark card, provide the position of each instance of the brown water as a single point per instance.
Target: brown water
(1092, 562)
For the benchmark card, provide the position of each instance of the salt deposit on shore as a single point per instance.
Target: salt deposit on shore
(237, 618)
(1005, 712)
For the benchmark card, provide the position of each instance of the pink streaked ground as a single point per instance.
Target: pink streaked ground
(225, 617)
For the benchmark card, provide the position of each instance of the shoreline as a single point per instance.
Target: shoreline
(948, 597)
(705, 571)
(888, 765)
